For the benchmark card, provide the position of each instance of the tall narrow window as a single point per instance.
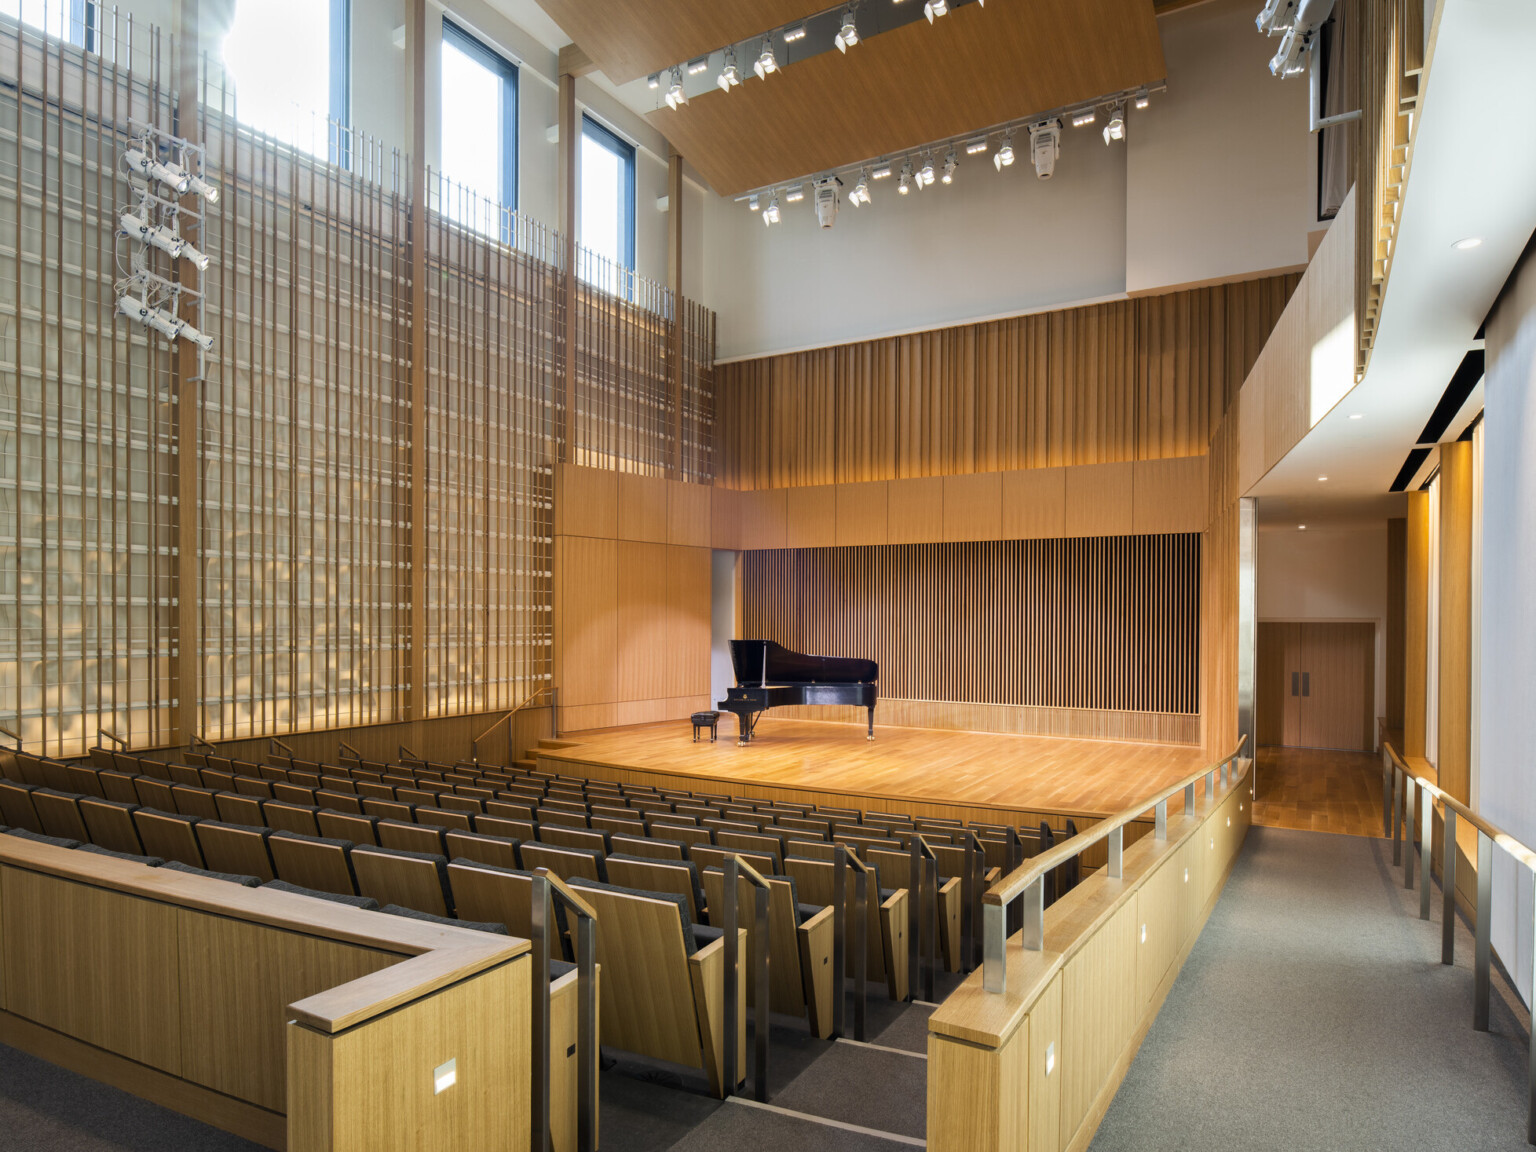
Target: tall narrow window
(71, 20)
(479, 136)
(607, 207)
(288, 61)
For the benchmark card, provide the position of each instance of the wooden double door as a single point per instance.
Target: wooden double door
(1316, 685)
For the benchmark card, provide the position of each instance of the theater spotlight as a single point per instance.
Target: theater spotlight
(925, 173)
(848, 34)
(1003, 157)
(1276, 16)
(794, 194)
(1083, 119)
(676, 97)
(826, 201)
(935, 8)
(860, 194)
(1045, 147)
(771, 213)
(730, 75)
(904, 184)
(161, 237)
(1115, 129)
(950, 164)
(172, 175)
(1291, 60)
(766, 61)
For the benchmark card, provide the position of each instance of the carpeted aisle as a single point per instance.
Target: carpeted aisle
(1314, 1014)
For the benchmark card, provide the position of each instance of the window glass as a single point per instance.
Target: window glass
(479, 131)
(607, 225)
(66, 19)
(287, 62)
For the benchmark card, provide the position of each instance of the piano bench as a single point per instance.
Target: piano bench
(701, 720)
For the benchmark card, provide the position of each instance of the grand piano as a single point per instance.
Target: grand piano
(768, 675)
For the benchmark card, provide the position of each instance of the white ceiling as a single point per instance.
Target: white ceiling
(1472, 173)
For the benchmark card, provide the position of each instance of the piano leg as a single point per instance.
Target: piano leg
(871, 735)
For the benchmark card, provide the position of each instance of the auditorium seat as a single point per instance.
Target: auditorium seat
(460, 821)
(708, 857)
(500, 851)
(416, 880)
(236, 848)
(593, 840)
(447, 922)
(652, 847)
(409, 837)
(58, 813)
(662, 981)
(886, 912)
(168, 835)
(677, 878)
(111, 825)
(196, 801)
(229, 877)
(896, 867)
(40, 838)
(352, 901)
(351, 826)
(154, 793)
(313, 862)
(285, 816)
(567, 863)
(238, 808)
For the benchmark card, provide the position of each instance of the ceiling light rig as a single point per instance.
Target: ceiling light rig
(933, 9)
(848, 34)
(676, 97)
(766, 61)
(1298, 23)
(730, 75)
(918, 170)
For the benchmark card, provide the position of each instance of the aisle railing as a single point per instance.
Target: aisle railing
(1026, 883)
(1408, 811)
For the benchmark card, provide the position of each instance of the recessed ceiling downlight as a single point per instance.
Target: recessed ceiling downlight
(1467, 244)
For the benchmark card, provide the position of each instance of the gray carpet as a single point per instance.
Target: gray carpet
(742, 1127)
(43, 1108)
(1314, 1013)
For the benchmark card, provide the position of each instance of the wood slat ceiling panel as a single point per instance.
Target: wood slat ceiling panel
(973, 68)
(629, 39)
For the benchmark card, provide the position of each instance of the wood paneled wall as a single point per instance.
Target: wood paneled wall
(1453, 759)
(1416, 627)
(1219, 600)
(1130, 380)
(1105, 625)
(632, 598)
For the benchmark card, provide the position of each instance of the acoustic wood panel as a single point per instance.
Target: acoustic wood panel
(642, 508)
(1142, 379)
(1416, 627)
(1397, 595)
(1035, 504)
(1454, 754)
(1018, 60)
(811, 517)
(916, 510)
(1219, 583)
(1094, 623)
(863, 513)
(973, 506)
(1099, 500)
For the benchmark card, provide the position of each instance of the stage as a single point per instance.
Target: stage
(920, 771)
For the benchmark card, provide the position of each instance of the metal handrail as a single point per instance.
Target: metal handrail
(347, 750)
(543, 923)
(1400, 812)
(1028, 880)
(856, 909)
(196, 740)
(970, 898)
(4, 731)
(737, 868)
(922, 915)
(283, 749)
(112, 736)
(406, 754)
(474, 743)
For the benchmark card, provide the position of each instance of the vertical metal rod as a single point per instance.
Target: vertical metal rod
(1116, 866)
(1210, 783)
(1448, 890)
(586, 1033)
(1397, 816)
(542, 921)
(840, 941)
(914, 913)
(1386, 791)
(1034, 915)
(994, 963)
(968, 896)
(1189, 800)
(1408, 830)
(1482, 949)
(931, 956)
(761, 1024)
(861, 951)
(1161, 831)
(1426, 848)
(1530, 1056)
(732, 1022)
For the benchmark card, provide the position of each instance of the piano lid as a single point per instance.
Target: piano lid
(764, 662)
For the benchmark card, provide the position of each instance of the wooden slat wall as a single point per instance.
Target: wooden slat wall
(1218, 647)
(1107, 625)
(1137, 379)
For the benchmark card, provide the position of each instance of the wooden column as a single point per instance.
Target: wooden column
(1454, 753)
(569, 175)
(416, 671)
(187, 371)
(675, 282)
(1416, 625)
(1397, 591)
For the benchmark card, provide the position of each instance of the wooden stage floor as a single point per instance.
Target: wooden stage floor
(928, 768)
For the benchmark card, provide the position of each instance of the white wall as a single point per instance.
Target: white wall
(722, 622)
(1328, 573)
(1215, 180)
(1507, 672)
(1221, 170)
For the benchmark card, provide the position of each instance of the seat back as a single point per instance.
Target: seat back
(84, 781)
(706, 857)
(194, 800)
(283, 816)
(338, 801)
(110, 825)
(500, 851)
(119, 787)
(562, 817)
(154, 793)
(645, 846)
(566, 863)
(745, 842)
(412, 837)
(348, 826)
(237, 808)
(499, 895)
(785, 982)
(815, 882)
(416, 880)
(313, 862)
(562, 837)
(676, 877)
(459, 821)
(169, 836)
(59, 814)
(235, 848)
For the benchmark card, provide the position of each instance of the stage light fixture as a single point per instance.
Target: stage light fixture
(730, 75)
(752, 202)
(860, 193)
(766, 61)
(1083, 119)
(1003, 157)
(172, 175)
(1291, 60)
(925, 173)
(163, 322)
(208, 191)
(676, 97)
(826, 201)
(771, 213)
(794, 194)
(697, 66)
(933, 9)
(950, 164)
(161, 237)
(881, 173)
(653, 81)
(976, 147)
(1115, 129)
(1276, 16)
(1045, 147)
(794, 35)
(848, 34)
(1143, 101)
(904, 185)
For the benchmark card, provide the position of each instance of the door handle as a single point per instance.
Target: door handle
(1294, 678)
(1306, 683)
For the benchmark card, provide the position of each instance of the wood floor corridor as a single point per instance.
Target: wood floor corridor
(1319, 790)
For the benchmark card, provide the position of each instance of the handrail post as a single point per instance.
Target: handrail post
(931, 910)
(586, 1034)
(1210, 783)
(1034, 915)
(1386, 790)
(1448, 889)
(1409, 823)
(732, 959)
(542, 920)
(1115, 868)
(1397, 816)
(968, 895)
(760, 1009)
(1530, 1059)
(994, 946)
(914, 912)
(1161, 811)
(861, 951)
(1189, 799)
(840, 942)
(1426, 847)
(1482, 951)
